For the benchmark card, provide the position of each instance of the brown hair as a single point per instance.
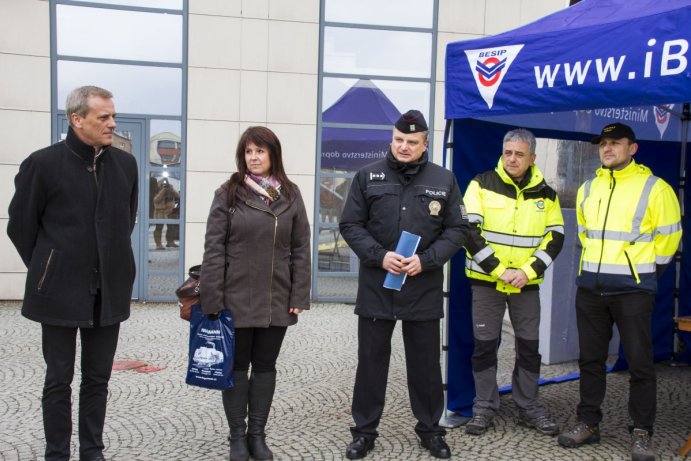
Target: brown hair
(260, 136)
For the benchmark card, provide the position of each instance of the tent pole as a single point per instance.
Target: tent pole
(685, 117)
(448, 419)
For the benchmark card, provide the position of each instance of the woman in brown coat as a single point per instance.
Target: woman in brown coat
(256, 264)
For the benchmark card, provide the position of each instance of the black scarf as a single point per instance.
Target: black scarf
(406, 171)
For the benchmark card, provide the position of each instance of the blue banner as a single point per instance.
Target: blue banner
(595, 54)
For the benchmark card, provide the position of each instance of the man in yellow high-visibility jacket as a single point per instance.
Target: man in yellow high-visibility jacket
(517, 231)
(630, 227)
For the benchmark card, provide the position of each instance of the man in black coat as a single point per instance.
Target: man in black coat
(70, 219)
(403, 192)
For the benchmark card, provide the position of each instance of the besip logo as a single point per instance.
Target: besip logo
(662, 117)
(489, 67)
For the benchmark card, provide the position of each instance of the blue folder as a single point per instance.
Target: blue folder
(407, 245)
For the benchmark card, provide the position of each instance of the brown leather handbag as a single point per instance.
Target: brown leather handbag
(188, 293)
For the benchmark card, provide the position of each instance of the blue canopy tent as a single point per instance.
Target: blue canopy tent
(565, 76)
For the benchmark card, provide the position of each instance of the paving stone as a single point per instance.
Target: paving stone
(157, 417)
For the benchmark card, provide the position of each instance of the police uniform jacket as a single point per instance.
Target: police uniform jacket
(70, 219)
(629, 225)
(512, 226)
(381, 203)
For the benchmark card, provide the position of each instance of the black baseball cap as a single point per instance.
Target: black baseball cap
(412, 122)
(615, 131)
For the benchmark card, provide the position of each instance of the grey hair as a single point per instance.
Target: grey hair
(78, 100)
(521, 135)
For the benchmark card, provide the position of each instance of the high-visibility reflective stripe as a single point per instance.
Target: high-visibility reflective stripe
(617, 269)
(473, 266)
(663, 259)
(483, 254)
(586, 193)
(619, 236)
(543, 256)
(667, 230)
(642, 204)
(581, 229)
(512, 240)
(558, 229)
(635, 235)
(475, 218)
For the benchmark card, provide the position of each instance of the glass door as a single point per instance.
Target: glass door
(129, 136)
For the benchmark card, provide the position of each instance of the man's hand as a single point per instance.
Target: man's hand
(514, 277)
(393, 262)
(412, 265)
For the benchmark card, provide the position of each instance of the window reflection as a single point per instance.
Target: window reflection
(140, 36)
(377, 52)
(136, 89)
(166, 4)
(402, 95)
(165, 143)
(404, 13)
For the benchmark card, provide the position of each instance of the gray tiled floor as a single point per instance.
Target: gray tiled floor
(155, 416)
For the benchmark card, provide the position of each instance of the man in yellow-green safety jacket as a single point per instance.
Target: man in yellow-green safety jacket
(517, 230)
(629, 226)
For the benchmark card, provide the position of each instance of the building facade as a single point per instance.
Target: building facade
(217, 68)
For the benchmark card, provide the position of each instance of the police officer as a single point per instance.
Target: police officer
(517, 231)
(630, 226)
(403, 192)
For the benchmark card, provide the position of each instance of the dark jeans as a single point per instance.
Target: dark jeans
(631, 313)
(59, 349)
(259, 347)
(422, 352)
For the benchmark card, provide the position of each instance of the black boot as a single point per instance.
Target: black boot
(262, 387)
(235, 406)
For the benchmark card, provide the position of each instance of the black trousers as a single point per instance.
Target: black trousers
(59, 350)
(421, 341)
(259, 347)
(595, 316)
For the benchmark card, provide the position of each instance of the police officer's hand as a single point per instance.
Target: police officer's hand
(392, 263)
(412, 265)
(295, 310)
(519, 278)
(507, 276)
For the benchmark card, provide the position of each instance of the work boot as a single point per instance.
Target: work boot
(579, 434)
(478, 424)
(642, 446)
(261, 395)
(544, 424)
(235, 405)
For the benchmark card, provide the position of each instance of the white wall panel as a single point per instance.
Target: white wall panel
(23, 132)
(294, 10)
(254, 44)
(219, 49)
(293, 47)
(25, 82)
(292, 98)
(253, 96)
(298, 143)
(211, 145)
(213, 94)
(17, 21)
(467, 16)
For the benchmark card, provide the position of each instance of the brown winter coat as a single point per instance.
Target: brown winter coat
(261, 267)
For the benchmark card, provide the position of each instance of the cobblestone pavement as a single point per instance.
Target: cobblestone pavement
(156, 416)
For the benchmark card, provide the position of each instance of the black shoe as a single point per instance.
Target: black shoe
(437, 446)
(94, 458)
(359, 447)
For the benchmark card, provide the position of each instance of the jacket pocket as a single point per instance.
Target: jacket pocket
(46, 271)
(632, 267)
